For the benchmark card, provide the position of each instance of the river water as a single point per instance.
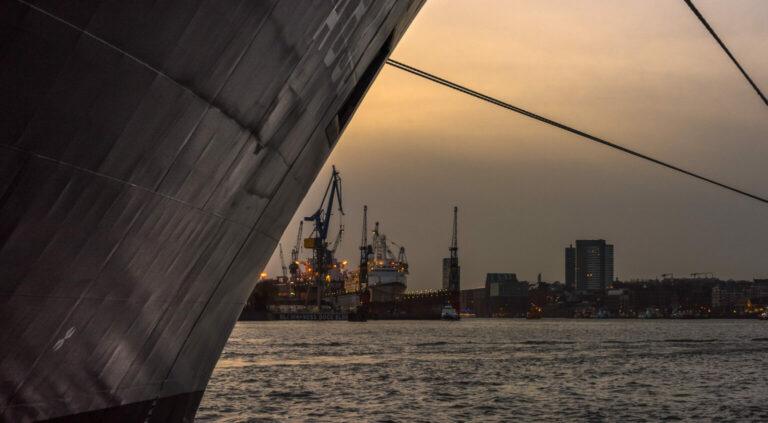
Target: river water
(495, 370)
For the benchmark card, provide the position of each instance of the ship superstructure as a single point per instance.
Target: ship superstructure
(151, 155)
(387, 274)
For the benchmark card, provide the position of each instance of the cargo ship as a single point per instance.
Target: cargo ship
(151, 156)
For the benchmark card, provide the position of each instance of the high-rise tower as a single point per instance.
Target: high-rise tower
(589, 266)
(570, 268)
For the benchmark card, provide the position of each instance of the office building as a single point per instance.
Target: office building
(589, 266)
(570, 268)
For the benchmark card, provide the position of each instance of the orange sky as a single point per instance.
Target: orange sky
(644, 74)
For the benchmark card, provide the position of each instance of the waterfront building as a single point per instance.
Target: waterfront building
(474, 301)
(570, 268)
(617, 302)
(507, 297)
(730, 296)
(759, 291)
(589, 266)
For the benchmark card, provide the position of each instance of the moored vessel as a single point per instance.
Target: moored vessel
(448, 313)
(151, 155)
(387, 274)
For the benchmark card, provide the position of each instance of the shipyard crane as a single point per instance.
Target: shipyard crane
(294, 266)
(322, 217)
(339, 237)
(317, 240)
(282, 262)
(365, 251)
(375, 237)
(401, 258)
(453, 269)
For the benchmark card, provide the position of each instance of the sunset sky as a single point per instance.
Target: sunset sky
(643, 74)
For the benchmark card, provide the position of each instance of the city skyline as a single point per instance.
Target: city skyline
(646, 75)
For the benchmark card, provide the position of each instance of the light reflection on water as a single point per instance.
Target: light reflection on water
(492, 370)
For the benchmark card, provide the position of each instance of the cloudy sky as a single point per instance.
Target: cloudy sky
(643, 74)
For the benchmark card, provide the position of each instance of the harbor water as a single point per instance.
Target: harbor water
(492, 370)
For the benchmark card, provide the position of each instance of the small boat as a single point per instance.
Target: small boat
(534, 312)
(764, 315)
(449, 313)
(650, 313)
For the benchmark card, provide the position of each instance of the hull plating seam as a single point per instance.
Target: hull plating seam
(151, 156)
(209, 101)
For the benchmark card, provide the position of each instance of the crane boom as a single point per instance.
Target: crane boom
(322, 257)
(294, 266)
(297, 247)
(339, 238)
(453, 271)
(364, 252)
(454, 238)
(322, 217)
(282, 262)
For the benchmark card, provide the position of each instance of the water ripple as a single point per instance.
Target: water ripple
(494, 370)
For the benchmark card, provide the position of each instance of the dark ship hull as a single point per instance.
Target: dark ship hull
(413, 306)
(151, 155)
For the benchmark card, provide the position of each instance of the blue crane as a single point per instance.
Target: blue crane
(322, 217)
(322, 257)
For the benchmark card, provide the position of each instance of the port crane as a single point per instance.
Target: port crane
(401, 258)
(339, 237)
(322, 258)
(365, 251)
(294, 266)
(704, 275)
(282, 262)
(667, 276)
(453, 269)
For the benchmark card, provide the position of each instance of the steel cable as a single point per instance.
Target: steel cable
(728, 52)
(473, 93)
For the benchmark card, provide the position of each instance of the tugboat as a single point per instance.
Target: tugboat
(534, 312)
(449, 313)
